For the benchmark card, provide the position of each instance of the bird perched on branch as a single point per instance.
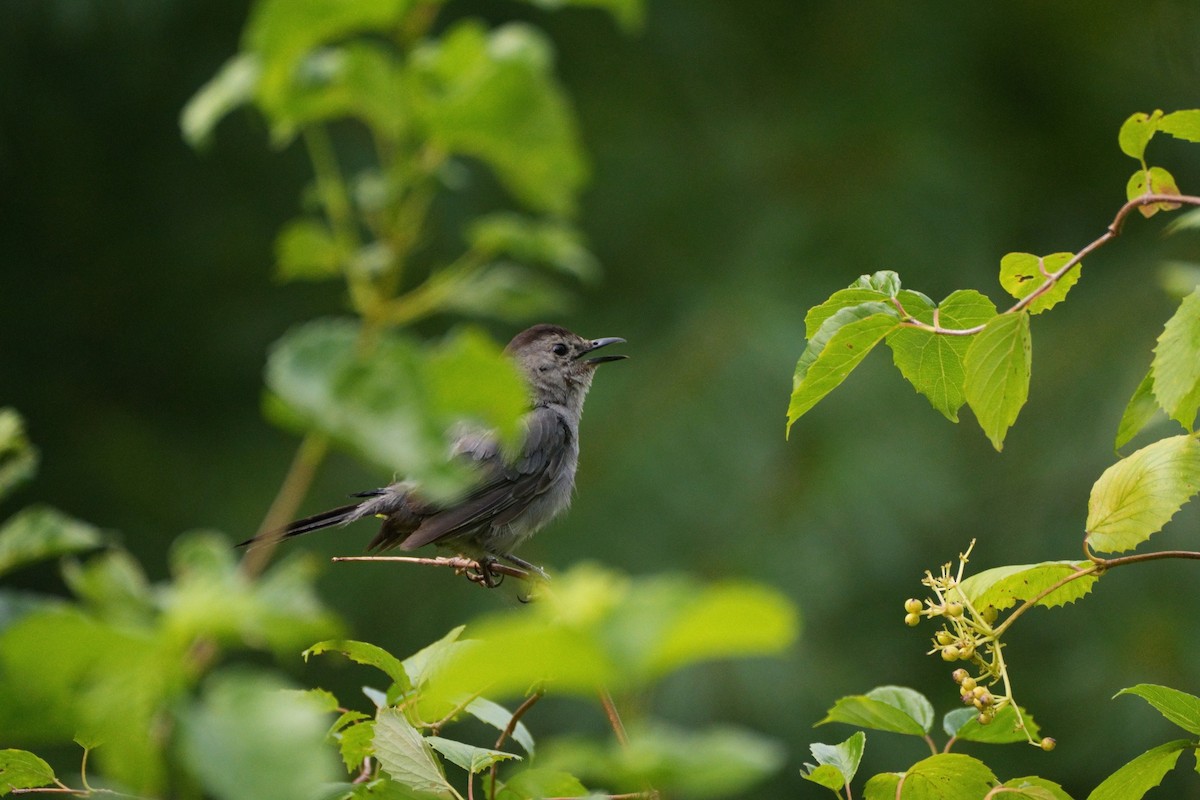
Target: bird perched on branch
(512, 498)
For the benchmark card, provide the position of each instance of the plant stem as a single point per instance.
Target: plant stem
(299, 477)
(508, 730)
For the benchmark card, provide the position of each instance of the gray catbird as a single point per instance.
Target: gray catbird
(512, 499)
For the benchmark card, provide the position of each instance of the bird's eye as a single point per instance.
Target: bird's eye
(560, 349)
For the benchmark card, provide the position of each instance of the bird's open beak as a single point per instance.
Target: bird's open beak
(597, 344)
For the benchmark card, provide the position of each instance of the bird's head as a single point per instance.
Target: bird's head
(559, 364)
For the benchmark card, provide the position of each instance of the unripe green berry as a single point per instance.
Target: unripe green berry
(984, 718)
(960, 675)
(967, 683)
(1047, 744)
(954, 609)
(912, 605)
(989, 614)
(912, 620)
(966, 650)
(944, 637)
(950, 653)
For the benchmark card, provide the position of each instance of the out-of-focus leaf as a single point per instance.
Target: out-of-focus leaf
(472, 759)
(1139, 494)
(363, 653)
(843, 341)
(963, 723)
(492, 95)
(1003, 587)
(552, 242)
(499, 718)
(20, 769)
(424, 663)
(1181, 708)
(1136, 133)
(112, 584)
(503, 291)
(534, 784)
(234, 85)
(1142, 774)
(1176, 366)
(38, 533)
(627, 12)
(1138, 412)
(897, 709)
(1022, 273)
(18, 458)
(843, 759)
(1154, 180)
(997, 366)
(406, 756)
(248, 738)
(933, 363)
(396, 406)
(305, 250)
(715, 762)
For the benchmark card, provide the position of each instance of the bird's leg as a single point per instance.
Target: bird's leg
(485, 576)
(532, 569)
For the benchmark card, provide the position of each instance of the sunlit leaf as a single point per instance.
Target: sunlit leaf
(39, 533)
(1138, 413)
(886, 708)
(1142, 774)
(1181, 708)
(1033, 788)
(492, 95)
(1139, 494)
(1003, 587)
(1022, 273)
(423, 664)
(1154, 180)
(20, 769)
(1182, 124)
(18, 458)
(842, 758)
(933, 363)
(247, 738)
(842, 342)
(112, 584)
(963, 723)
(882, 786)
(472, 759)
(406, 756)
(1176, 367)
(362, 653)
(948, 776)
(356, 743)
(885, 282)
(534, 784)
(1136, 133)
(997, 366)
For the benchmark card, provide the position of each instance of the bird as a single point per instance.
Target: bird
(511, 498)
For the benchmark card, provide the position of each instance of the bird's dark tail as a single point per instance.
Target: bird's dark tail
(326, 519)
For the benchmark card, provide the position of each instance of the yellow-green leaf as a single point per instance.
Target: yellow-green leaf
(1023, 273)
(1176, 367)
(997, 368)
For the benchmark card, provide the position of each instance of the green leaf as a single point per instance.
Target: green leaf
(1154, 180)
(305, 250)
(1032, 787)
(933, 363)
(1140, 409)
(723, 621)
(886, 282)
(499, 718)
(1181, 708)
(39, 533)
(395, 406)
(554, 243)
(948, 776)
(20, 769)
(1176, 367)
(503, 291)
(247, 738)
(363, 653)
(1022, 273)
(883, 786)
(234, 85)
(18, 458)
(112, 585)
(886, 708)
(1182, 124)
(843, 298)
(838, 347)
(534, 784)
(997, 366)
(628, 13)
(492, 95)
(1138, 495)
(406, 756)
(1136, 133)
(842, 758)
(963, 723)
(1003, 587)
(472, 759)
(422, 665)
(356, 743)
(1142, 774)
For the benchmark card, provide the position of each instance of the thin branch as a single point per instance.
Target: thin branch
(614, 719)
(1111, 232)
(508, 731)
(475, 571)
(1108, 563)
(932, 744)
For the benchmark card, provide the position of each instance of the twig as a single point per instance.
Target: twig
(614, 719)
(1111, 232)
(475, 571)
(507, 732)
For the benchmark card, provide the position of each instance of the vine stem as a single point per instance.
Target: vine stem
(1111, 232)
(508, 731)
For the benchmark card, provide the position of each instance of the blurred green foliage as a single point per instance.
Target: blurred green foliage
(747, 159)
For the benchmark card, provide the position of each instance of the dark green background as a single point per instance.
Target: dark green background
(749, 158)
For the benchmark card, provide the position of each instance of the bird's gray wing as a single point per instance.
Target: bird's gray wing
(506, 489)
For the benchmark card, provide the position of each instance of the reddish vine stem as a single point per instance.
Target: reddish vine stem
(1111, 232)
(508, 731)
